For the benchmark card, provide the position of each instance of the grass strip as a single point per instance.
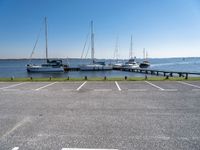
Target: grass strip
(98, 79)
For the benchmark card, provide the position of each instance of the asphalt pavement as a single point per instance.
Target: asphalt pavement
(111, 115)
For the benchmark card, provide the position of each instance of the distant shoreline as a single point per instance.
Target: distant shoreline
(98, 58)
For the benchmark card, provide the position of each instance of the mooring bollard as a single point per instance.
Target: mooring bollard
(105, 78)
(12, 78)
(85, 77)
(186, 76)
(145, 77)
(125, 77)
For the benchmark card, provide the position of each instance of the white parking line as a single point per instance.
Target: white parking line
(84, 149)
(81, 86)
(45, 86)
(189, 84)
(15, 148)
(118, 86)
(14, 85)
(18, 125)
(155, 86)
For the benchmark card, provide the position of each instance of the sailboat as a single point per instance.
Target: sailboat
(54, 65)
(145, 63)
(94, 65)
(117, 64)
(131, 64)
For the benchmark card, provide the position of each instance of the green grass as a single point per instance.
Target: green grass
(98, 79)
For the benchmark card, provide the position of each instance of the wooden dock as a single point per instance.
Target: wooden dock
(148, 71)
(72, 69)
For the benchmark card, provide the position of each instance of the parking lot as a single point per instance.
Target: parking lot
(120, 115)
(102, 86)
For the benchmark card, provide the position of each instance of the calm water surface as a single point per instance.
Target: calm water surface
(17, 67)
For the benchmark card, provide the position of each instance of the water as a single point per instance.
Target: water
(17, 68)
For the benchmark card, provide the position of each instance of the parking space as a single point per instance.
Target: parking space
(5, 84)
(8, 85)
(194, 84)
(135, 86)
(30, 86)
(172, 86)
(100, 86)
(64, 86)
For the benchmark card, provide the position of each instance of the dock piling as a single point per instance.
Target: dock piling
(186, 76)
(145, 77)
(12, 78)
(125, 77)
(85, 77)
(105, 78)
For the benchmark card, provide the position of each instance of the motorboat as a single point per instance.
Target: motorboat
(131, 64)
(145, 63)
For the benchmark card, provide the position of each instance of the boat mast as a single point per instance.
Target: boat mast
(116, 49)
(144, 57)
(46, 38)
(92, 42)
(131, 49)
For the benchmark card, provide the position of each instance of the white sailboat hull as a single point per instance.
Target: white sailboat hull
(34, 68)
(117, 66)
(94, 67)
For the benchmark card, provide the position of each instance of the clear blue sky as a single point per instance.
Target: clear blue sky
(166, 28)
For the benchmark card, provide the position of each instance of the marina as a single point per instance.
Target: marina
(99, 75)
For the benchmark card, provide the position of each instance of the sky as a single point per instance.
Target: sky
(165, 28)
